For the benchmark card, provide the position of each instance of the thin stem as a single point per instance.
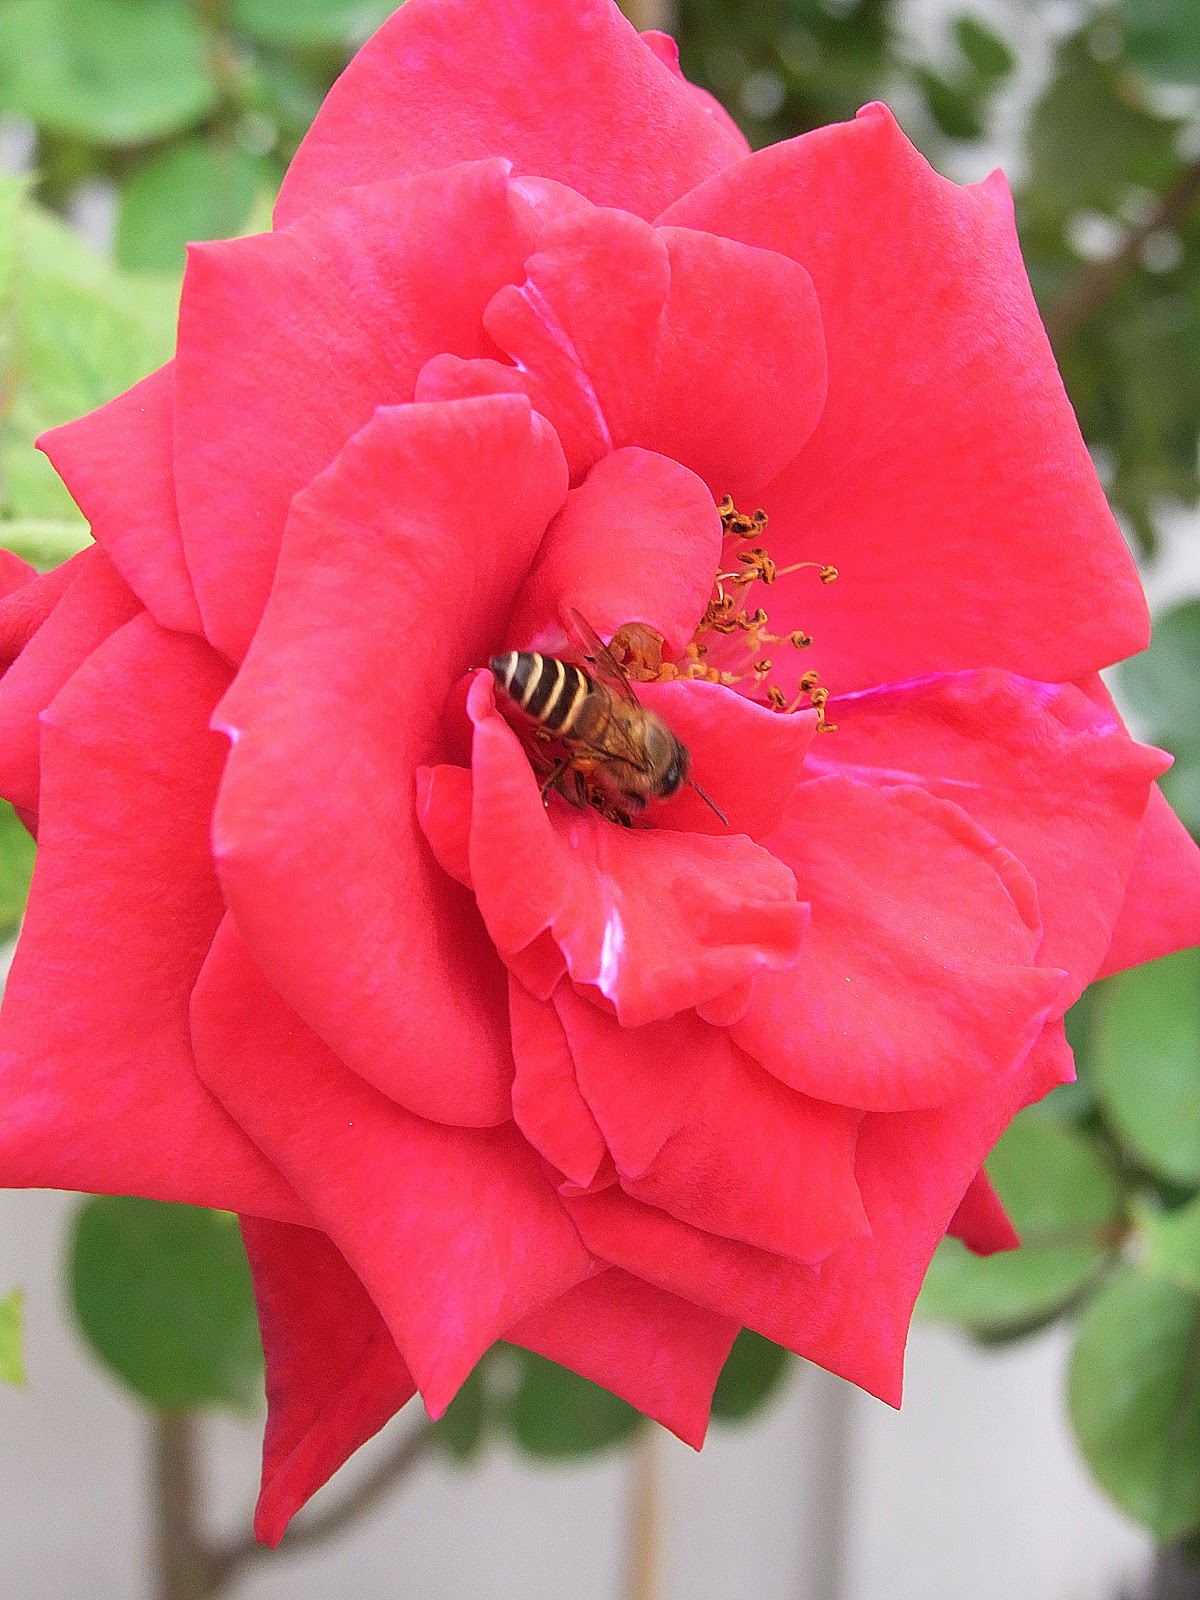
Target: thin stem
(1093, 286)
(375, 1487)
(184, 1568)
(645, 1553)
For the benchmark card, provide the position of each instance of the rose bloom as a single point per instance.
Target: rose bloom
(305, 941)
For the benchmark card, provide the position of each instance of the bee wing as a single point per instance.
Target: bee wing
(602, 664)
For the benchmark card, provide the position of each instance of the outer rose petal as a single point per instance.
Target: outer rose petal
(1045, 770)
(660, 1353)
(334, 1375)
(931, 490)
(455, 1233)
(14, 573)
(667, 51)
(917, 984)
(338, 703)
(981, 1221)
(117, 463)
(339, 311)
(851, 1313)
(29, 598)
(657, 922)
(547, 1104)
(638, 541)
(100, 1091)
(1161, 909)
(702, 1132)
(96, 604)
(564, 88)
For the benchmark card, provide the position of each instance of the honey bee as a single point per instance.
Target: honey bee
(612, 752)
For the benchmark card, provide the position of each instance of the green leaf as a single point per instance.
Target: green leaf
(1173, 1244)
(111, 72)
(305, 22)
(1146, 1060)
(17, 852)
(42, 542)
(1055, 1181)
(1134, 1395)
(1181, 786)
(1161, 682)
(556, 1413)
(752, 1374)
(1065, 1199)
(163, 1295)
(79, 334)
(201, 189)
(987, 53)
(955, 110)
(12, 1356)
(1163, 39)
(461, 1426)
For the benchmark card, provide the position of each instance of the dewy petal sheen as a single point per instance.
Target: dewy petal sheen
(327, 930)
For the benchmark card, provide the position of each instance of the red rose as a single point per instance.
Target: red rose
(304, 940)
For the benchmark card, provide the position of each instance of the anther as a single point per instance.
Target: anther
(800, 639)
(777, 698)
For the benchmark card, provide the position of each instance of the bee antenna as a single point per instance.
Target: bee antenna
(708, 802)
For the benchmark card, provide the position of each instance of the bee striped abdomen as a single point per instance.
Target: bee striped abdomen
(547, 689)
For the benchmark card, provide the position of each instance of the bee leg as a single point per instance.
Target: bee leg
(556, 773)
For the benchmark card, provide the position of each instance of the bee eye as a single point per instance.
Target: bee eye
(672, 778)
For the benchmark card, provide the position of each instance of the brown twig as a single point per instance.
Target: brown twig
(1093, 286)
(649, 14)
(188, 1567)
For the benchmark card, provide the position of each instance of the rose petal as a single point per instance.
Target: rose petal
(1048, 773)
(981, 1221)
(95, 605)
(586, 320)
(850, 1314)
(758, 1163)
(658, 922)
(1161, 909)
(917, 984)
(741, 362)
(564, 88)
(702, 349)
(334, 1375)
(660, 1353)
(28, 602)
(338, 703)
(667, 51)
(100, 1089)
(932, 489)
(455, 1233)
(118, 464)
(700, 1131)
(547, 1103)
(642, 1084)
(638, 541)
(337, 310)
(746, 758)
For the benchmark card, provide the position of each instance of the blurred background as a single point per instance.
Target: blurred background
(1049, 1448)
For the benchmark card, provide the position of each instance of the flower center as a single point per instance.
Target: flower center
(638, 648)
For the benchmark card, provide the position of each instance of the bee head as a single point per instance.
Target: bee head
(675, 773)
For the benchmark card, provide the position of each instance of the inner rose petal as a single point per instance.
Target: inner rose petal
(639, 525)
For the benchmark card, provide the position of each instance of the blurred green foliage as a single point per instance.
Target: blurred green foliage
(182, 115)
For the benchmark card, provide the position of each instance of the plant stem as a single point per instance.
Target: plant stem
(650, 14)
(183, 1565)
(1093, 286)
(187, 1566)
(645, 1552)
